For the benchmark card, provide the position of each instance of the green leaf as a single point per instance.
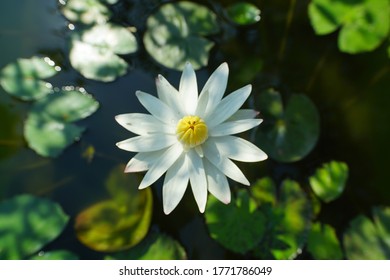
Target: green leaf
(94, 51)
(243, 13)
(86, 11)
(154, 247)
(48, 128)
(175, 33)
(323, 243)
(27, 224)
(119, 223)
(55, 255)
(238, 226)
(264, 191)
(24, 78)
(364, 23)
(329, 181)
(287, 134)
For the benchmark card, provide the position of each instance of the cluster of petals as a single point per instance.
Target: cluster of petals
(205, 166)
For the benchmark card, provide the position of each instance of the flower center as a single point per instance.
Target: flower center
(191, 131)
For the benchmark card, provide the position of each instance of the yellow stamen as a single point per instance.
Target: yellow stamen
(191, 131)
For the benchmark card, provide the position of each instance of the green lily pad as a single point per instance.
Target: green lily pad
(369, 240)
(364, 24)
(154, 247)
(329, 181)
(118, 223)
(264, 191)
(27, 224)
(49, 128)
(323, 243)
(238, 226)
(175, 34)
(24, 78)
(287, 134)
(95, 51)
(55, 255)
(243, 13)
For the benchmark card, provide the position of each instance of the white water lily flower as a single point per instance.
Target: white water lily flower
(189, 137)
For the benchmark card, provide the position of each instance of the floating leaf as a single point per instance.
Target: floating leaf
(323, 243)
(48, 128)
(94, 51)
(329, 181)
(154, 247)
(367, 240)
(287, 134)
(55, 255)
(24, 78)
(364, 23)
(119, 223)
(87, 11)
(238, 226)
(243, 13)
(27, 224)
(175, 33)
(264, 191)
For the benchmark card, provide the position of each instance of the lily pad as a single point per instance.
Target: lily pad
(243, 13)
(27, 224)
(364, 24)
(119, 223)
(175, 34)
(95, 51)
(24, 78)
(287, 134)
(49, 128)
(55, 255)
(238, 226)
(329, 181)
(323, 243)
(154, 247)
(369, 240)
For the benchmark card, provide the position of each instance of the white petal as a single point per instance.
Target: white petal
(156, 107)
(243, 114)
(188, 88)
(217, 182)
(161, 165)
(213, 90)
(175, 184)
(224, 164)
(143, 124)
(239, 149)
(197, 179)
(143, 161)
(170, 96)
(228, 106)
(147, 143)
(234, 127)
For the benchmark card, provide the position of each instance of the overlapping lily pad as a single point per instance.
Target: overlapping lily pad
(27, 224)
(289, 132)
(329, 181)
(176, 34)
(95, 51)
(121, 222)
(243, 13)
(49, 128)
(364, 24)
(323, 243)
(24, 78)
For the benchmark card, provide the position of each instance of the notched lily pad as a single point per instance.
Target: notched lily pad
(175, 34)
(243, 13)
(323, 243)
(27, 224)
(288, 133)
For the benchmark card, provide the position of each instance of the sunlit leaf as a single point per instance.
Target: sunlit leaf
(264, 191)
(287, 134)
(24, 78)
(364, 23)
(49, 128)
(369, 240)
(243, 13)
(94, 51)
(329, 181)
(323, 243)
(238, 226)
(154, 247)
(27, 224)
(55, 255)
(175, 33)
